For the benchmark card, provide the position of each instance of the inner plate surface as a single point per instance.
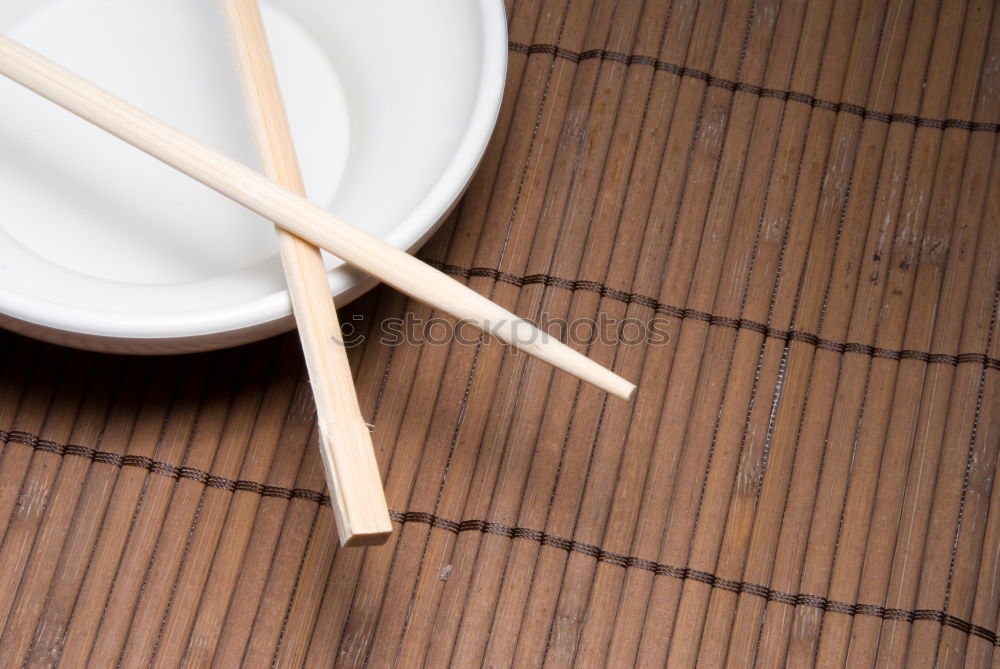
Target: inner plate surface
(390, 106)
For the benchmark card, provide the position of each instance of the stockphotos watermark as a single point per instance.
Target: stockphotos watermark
(604, 330)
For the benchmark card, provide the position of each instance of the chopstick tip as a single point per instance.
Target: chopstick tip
(621, 388)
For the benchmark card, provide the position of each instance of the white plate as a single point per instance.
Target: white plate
(391, 104)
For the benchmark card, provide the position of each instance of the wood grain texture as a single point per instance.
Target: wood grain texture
(804, 198)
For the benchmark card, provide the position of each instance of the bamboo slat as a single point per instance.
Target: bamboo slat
(804, 199)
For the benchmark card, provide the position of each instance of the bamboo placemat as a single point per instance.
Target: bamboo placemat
(782, 218)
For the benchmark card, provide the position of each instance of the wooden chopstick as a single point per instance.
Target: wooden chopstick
(294, 213)
(345, 443)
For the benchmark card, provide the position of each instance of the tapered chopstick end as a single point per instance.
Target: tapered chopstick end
(621, 388)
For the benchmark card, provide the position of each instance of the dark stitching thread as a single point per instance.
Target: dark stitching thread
(727, 125)
(160, 468)
(511, 221)
(685, 573)
(760, 91)
(633, 156)
(258, 398)
(829, 292)
(487, 527)
(970, 459)
(723, 321)
(291, 598)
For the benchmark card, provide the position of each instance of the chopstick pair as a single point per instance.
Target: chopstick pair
(352, 473)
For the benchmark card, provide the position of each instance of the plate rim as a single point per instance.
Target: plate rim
(267, 315)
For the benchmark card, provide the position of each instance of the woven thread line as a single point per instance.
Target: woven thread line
(487, 527)
(743, 87)
(712, 319)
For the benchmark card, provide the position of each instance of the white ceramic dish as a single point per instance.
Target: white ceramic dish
(391, 104)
